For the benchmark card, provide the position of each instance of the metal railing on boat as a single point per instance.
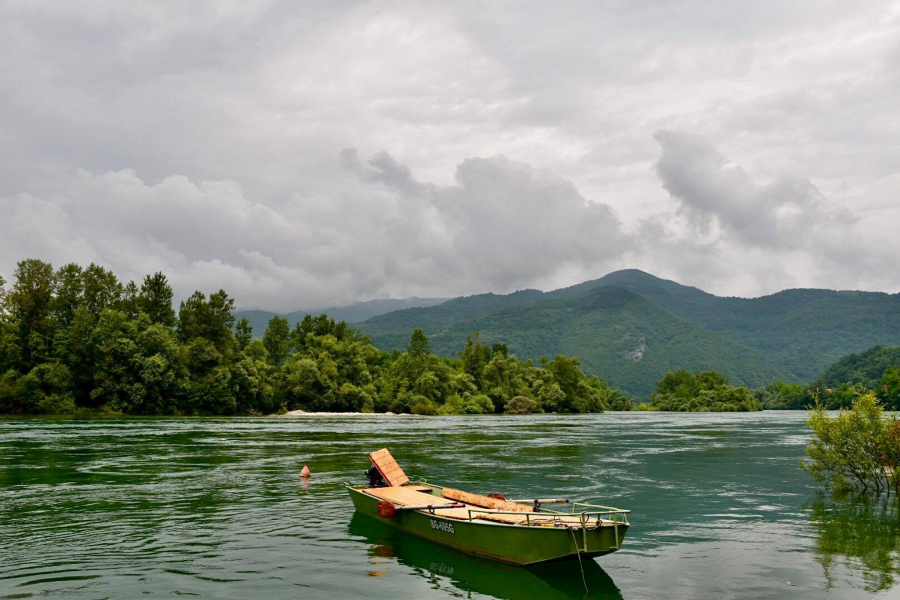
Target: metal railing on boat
(585, 516)
(611, 514)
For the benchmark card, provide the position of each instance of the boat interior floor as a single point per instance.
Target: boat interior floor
(405, 496)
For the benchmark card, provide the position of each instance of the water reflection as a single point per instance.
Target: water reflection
(862, 533)
(441, 566)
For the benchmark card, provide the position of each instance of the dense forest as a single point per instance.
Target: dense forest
(632, 328)
(877, 370)
(78, 339)
(619, 335)
(701, 392)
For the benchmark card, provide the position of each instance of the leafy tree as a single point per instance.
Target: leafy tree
(889, 390)
(852, 449)
(129, 302)
(44, 390)
(212, 320)
(68, 294)
(478, 404)
(29, 306)
(155, 299)
(475, 356)
(520, 405)
(418, 345)
(243, 334)
(277, 340)
(102, 290)
(703, 391)
(619, 402)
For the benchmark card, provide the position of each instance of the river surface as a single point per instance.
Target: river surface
(127, 508)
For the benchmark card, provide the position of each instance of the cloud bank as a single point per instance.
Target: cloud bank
(301, 155)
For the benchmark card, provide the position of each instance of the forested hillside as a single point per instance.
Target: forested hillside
(803, 330)
(629, 339)
(793, 335)
(865, 368)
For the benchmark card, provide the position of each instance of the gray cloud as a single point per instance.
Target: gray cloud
(207, 139)
(501, 226)
(779, 214)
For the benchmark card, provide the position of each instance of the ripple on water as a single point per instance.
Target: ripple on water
(214, 507)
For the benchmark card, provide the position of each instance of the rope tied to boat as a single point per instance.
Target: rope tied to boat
(578, 552)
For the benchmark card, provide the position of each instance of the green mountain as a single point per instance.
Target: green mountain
(618, 334)
(865, 368)
(353, 313)
(804, 330)
(792, 335)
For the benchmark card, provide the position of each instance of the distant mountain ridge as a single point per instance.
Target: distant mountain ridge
(352, 313)
(792, 335)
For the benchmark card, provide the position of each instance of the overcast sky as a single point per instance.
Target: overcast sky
(304, 154)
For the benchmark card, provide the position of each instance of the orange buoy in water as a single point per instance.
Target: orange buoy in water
(497, 496)
(386, 509)
(305, 472)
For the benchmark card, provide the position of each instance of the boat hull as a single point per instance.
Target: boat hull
(513, 544)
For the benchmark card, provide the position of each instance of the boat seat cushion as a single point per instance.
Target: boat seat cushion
(390, 471)
(485, 501)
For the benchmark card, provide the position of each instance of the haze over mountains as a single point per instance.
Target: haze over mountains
(631, 328)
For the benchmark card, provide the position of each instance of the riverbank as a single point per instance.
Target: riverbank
(303, 413)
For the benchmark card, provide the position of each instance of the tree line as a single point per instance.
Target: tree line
(703, 391)
(78, 339)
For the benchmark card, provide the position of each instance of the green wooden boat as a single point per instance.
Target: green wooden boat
(521, 532)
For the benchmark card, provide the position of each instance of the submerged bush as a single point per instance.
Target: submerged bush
(856, 448)
(478, 404)
(520, 405)
(704, 391)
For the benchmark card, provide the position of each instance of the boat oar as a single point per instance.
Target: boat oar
(389, 509)
(432, 507)
(538, 501)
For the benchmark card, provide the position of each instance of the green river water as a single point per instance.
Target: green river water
(128, 508)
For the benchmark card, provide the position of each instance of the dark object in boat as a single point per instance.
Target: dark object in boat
(374, 477)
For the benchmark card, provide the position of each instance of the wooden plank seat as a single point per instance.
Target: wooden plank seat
(405, 496)
(390, 471)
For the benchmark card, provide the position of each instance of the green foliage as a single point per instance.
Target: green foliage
(630, 328)
(618, 335)
(619, 402)
(277, 340)
(702, 392)
(243, 334)
(77, 339)
(520, 405)
(44, 390)
(212, 320)
(155, 300)
(853, 449)
(779, 395)
(478, 404)
(875, 369)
